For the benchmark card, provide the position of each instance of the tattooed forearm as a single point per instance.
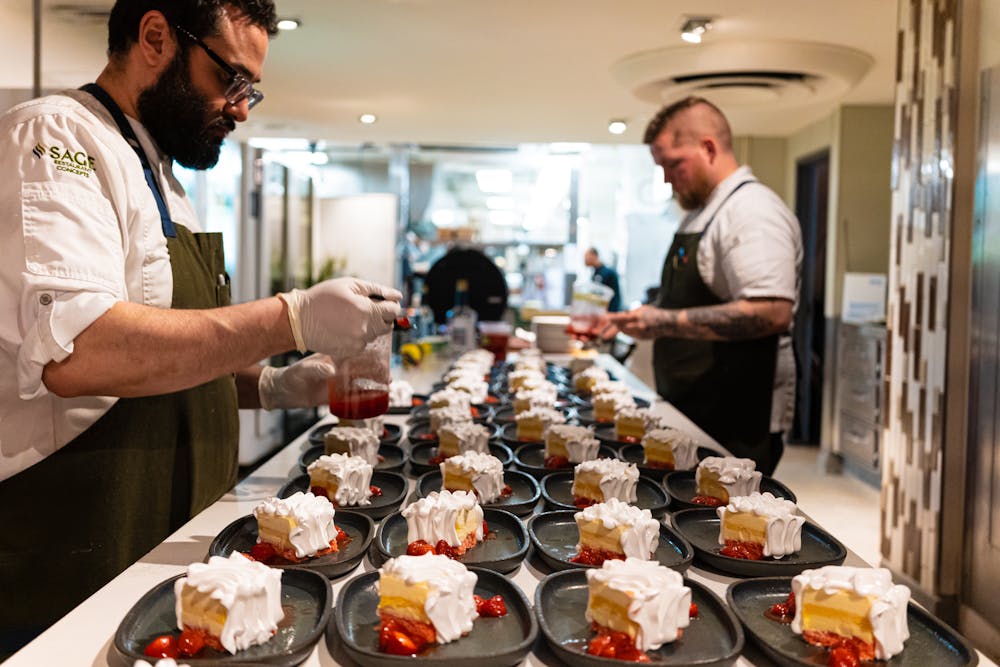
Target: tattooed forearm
(737, 320)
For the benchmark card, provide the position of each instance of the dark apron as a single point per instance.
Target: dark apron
(726, 387)
(76, 519)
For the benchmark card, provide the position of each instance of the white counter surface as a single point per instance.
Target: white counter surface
(84, 636)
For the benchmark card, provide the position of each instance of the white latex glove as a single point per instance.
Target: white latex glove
(301, 385)
(340, 317)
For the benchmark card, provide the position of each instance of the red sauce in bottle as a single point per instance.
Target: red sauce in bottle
(361, 404)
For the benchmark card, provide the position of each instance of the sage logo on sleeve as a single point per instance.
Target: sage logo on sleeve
(70, 160)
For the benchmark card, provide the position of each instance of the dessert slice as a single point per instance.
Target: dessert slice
(479, 473)
(352, 441)
(518, 379)
(297, 527)
(608, 404)
(567, 443)
(344, 480)
(532, 424)
(474, 386)
(542, 396)
(632, 423)
(719, 477)
(599, 480)
(451, 414)
(759, 525)
(400, 394)
(614, 529)
(584, 381)
(446, 522)
(461, 438)
(447, 397)
(424, 600)
(635, 606)
(861, 606)
(233, 603)
(669, 449)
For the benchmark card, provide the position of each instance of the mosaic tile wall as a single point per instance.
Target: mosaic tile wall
(926, 72)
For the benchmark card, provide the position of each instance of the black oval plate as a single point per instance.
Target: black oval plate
(505, 415)
(481, 414)
(421, 455)
(493, 642)
(393, 457)
(714, 638)
(680, 485)
(557, 491)
(305, 598)
(635, 454)
(394, 489)
(390, 433)
(700, 527)
(241, 535)
(502, 552)
(530, 458)
(521, 502)
(420, 433)
(555, 536)
(416, 401)
(931, 641)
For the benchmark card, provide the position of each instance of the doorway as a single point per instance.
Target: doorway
(808, 339)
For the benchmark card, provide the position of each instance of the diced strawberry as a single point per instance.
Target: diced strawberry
(164, 646)
(191, 643)
(419, 548)
(262, 552)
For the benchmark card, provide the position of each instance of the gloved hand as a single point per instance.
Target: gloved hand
(339, 317)
(301, 385)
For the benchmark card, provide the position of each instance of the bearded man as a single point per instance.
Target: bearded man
(122, 363)
(730, 285)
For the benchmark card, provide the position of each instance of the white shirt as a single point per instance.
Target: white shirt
(79, 231)
(753, 249)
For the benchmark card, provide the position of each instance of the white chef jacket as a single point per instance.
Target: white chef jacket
(79, 231)
(753, 249)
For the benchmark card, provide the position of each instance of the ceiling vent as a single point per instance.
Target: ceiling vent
(745, 76)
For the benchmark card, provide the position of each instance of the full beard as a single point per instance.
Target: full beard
(695, 197)
(176, 116)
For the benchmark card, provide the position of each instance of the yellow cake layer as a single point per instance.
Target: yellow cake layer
(448, 444)
(275, 530)
(555, 446)
(201, 610)
(630, 427)
(659, 453)
(530, 429)
(744, 527)
(456, 480)
(404, 600)
(588, 485)
(609, 607)
(709, 485)
(843, 613)
(322, 478)
(594, 535)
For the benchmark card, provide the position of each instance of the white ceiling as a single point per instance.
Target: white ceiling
(491, 71)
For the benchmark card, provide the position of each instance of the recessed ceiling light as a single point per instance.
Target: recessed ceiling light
(288, 24)
(617, 127)
(694, 27)
(367, 118)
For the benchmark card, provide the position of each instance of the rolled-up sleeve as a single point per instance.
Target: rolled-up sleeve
(73, 251)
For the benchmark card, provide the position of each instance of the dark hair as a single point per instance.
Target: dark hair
(200, 17)
(667, 113)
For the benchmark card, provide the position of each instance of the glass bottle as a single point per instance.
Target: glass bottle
(462, 320)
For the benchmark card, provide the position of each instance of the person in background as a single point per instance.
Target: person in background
(122, 364)
(604, 275)
(728, 291)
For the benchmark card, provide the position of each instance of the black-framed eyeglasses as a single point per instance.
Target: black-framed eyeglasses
(240, 88)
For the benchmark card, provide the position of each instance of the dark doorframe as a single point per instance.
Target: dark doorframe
(812, 178)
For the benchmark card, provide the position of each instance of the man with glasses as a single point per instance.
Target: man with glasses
(122, 364)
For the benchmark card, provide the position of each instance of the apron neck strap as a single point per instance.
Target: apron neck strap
(129, 134)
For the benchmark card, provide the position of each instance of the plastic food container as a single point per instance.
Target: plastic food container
(360, 389)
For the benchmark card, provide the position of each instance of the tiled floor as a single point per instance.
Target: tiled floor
(841, 504)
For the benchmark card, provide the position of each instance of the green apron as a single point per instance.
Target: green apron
(76, 519)
(725, 387)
